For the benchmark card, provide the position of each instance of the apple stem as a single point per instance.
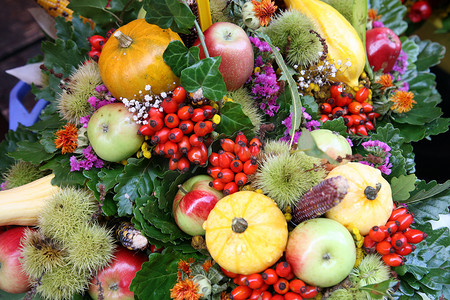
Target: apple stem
(180, 187)
(201, 38)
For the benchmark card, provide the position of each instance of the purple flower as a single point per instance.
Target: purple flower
(262, 46)
(3, 185)
(312, 125)
(349, 141)
(101, 88)
(377, 24)
(85, 121)
(401, 64)
(93, 101)
(379, 149)
(74, 165)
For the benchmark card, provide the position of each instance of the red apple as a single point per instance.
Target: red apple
(193, 202)
(383, 48)
(12, 277)
(420, 11)
(231, 43)
(116, 278)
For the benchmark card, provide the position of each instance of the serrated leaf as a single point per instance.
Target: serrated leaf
(108, 176)
(179, 57)
(76, 30)
(155, 236)
(60, 166)
(157, 276)
(32, 152)
(136, 180)
(62, 56)
(389, 135)
(427, 190)
(169, 14)
(392, 13)
(336, 125)
(430, 53)
(9, 145)
(165, 193)
(401, 186)
(205, 74)
(233, 119)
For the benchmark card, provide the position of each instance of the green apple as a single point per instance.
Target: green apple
(112, 132)
(332, 143)
(321, 252)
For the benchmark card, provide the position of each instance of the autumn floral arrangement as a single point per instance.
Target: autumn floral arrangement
(227, 150)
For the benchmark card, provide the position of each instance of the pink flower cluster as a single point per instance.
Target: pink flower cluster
(309, 124)
(104, 98)
(379, 149)
(91, 160)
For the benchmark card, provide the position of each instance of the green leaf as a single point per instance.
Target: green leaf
(336, 125)
(60, 166)
(136, 180)
(165, 193)
(379, 290)
(76, 30)
(401, 186)
(32, 152)
(94, 10)
(389, 135)
(108, 176)
(62, 56)
(233, 119)
(427, 190)
(179, 57)
(169, 14)
(9, 145)
(205, 74)
(430, 54)
(392, 13)
(157, 276)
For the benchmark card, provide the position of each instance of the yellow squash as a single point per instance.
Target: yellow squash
(368, 201)
(342, 39)
(22, 205)
(133, 59)
(246, 232)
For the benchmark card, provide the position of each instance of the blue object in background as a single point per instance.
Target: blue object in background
(17, 112)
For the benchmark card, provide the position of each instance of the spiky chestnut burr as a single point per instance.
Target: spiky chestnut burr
(320, 198)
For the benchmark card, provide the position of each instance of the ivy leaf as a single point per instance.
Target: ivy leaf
(169, 14)
(401, 186)
(392, 13)
(233, 119)
(135, 180)
(205, 74)
(430, 54)
(157, 276)
(94, 10)
(179, 57)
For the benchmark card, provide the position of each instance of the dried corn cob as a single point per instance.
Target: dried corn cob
(58, 8)
(189, 39)
(130, 237)
(320, 198)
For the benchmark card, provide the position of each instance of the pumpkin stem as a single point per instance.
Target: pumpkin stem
(124, 40)
(239, 225)
(371, 192)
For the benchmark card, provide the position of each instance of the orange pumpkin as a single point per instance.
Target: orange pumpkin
(133, 58)
(246, 232)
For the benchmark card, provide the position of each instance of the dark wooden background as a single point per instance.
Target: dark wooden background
(21, 37)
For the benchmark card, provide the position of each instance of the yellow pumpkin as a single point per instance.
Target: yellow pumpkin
(246, 232)
(342, 39)
(368, 201)
(132, 58)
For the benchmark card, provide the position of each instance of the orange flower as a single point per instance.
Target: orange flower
(385, 81)
(66, 138)
(264, 9)
(185, 290)
(372, 14)
(206, 265)
(403, 101)
(185, 266)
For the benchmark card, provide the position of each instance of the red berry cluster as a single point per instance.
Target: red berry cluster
(358, 115)
(230, 165)
(393, 241)
(275, 283)
(178, 131)
(97, 42)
